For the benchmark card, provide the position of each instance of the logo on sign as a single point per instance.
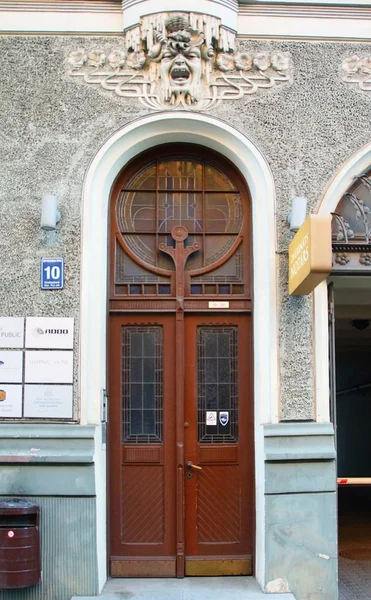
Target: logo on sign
(223, 418)
(2, 395)
(9, 334)
(51, 331)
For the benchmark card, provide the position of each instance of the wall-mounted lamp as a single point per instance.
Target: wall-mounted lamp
(298, 213)
(50, 215)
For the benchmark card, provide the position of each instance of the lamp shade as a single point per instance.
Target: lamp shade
(298, 212)
(49, 212)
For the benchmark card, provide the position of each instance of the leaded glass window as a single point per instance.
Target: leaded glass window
(142, 384)
(167, 193)
(217, 383)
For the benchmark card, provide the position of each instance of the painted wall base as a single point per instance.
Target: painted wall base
(301, 511)
(52, 466)
(68, 541)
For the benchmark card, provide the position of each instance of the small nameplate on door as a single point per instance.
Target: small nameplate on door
(219, 304)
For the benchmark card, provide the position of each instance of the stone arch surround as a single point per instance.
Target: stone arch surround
(336, 188)
(121, 147)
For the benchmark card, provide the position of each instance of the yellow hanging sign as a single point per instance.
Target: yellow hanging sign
(310, 255)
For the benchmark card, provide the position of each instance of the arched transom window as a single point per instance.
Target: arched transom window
(180, 214)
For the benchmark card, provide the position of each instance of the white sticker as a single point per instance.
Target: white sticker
(49, 332)
(11, 332)
(11, 362)
(55, 366)
(10, 401)
(48, 401)
(223, 417)
(211, 417)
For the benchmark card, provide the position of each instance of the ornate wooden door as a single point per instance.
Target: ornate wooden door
(218, 446)
(180, 423)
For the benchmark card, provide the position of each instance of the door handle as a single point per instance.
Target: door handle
(190, 465)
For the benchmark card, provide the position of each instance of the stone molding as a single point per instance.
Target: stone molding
(31, 444)
(299, 441)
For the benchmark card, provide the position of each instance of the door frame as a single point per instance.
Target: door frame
(115, 153)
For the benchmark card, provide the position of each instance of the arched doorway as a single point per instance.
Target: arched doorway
(181, 441)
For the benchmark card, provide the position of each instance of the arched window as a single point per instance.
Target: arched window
(351, 227)
(191, 191)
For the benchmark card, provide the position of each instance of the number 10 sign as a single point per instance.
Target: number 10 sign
(52, 273)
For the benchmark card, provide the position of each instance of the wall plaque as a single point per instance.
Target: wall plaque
(10, 401)
(48, 401)
(310, 255)
(49, 332)
(11, 363)
(55, 366)
(218, 304)
(11, 332)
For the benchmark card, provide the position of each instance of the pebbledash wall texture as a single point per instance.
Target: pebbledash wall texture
(52, 126)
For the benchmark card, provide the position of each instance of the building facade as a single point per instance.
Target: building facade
(177, 421)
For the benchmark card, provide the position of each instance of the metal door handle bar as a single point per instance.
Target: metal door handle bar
(192, 466)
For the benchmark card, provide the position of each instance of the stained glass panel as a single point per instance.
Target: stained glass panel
(142, 384)
(180, 175)
(217, 383)
(170, 193)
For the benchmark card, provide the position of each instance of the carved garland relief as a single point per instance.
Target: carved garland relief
(182, 60)
(357, 70)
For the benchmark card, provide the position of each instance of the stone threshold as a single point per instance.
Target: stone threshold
(189, 588)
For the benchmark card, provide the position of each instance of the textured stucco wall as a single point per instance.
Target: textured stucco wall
(52, 125)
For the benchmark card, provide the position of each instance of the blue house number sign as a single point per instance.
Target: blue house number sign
(52, 273)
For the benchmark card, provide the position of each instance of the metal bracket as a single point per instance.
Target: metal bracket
(104, 407)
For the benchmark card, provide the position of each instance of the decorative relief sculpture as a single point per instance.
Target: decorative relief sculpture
(342, 259)
(183, 60)
(351, 227)
(357, 70)
(365, 259)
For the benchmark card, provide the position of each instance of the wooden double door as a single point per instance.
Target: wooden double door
(181, 497)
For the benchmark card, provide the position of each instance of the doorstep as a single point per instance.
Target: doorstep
(189, 588)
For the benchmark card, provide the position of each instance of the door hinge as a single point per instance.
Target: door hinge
(104, 407)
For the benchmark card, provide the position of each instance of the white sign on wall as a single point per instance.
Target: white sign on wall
(49, 367)
(48, 401)
(11, 401)
(11, 363)
(11, 332)
(49, 332)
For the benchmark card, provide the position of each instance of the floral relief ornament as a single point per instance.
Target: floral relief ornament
(357, 70)
(183, 67)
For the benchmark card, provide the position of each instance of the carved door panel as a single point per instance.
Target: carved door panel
(219, 462)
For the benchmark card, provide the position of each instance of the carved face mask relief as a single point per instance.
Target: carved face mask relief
(180, 72)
